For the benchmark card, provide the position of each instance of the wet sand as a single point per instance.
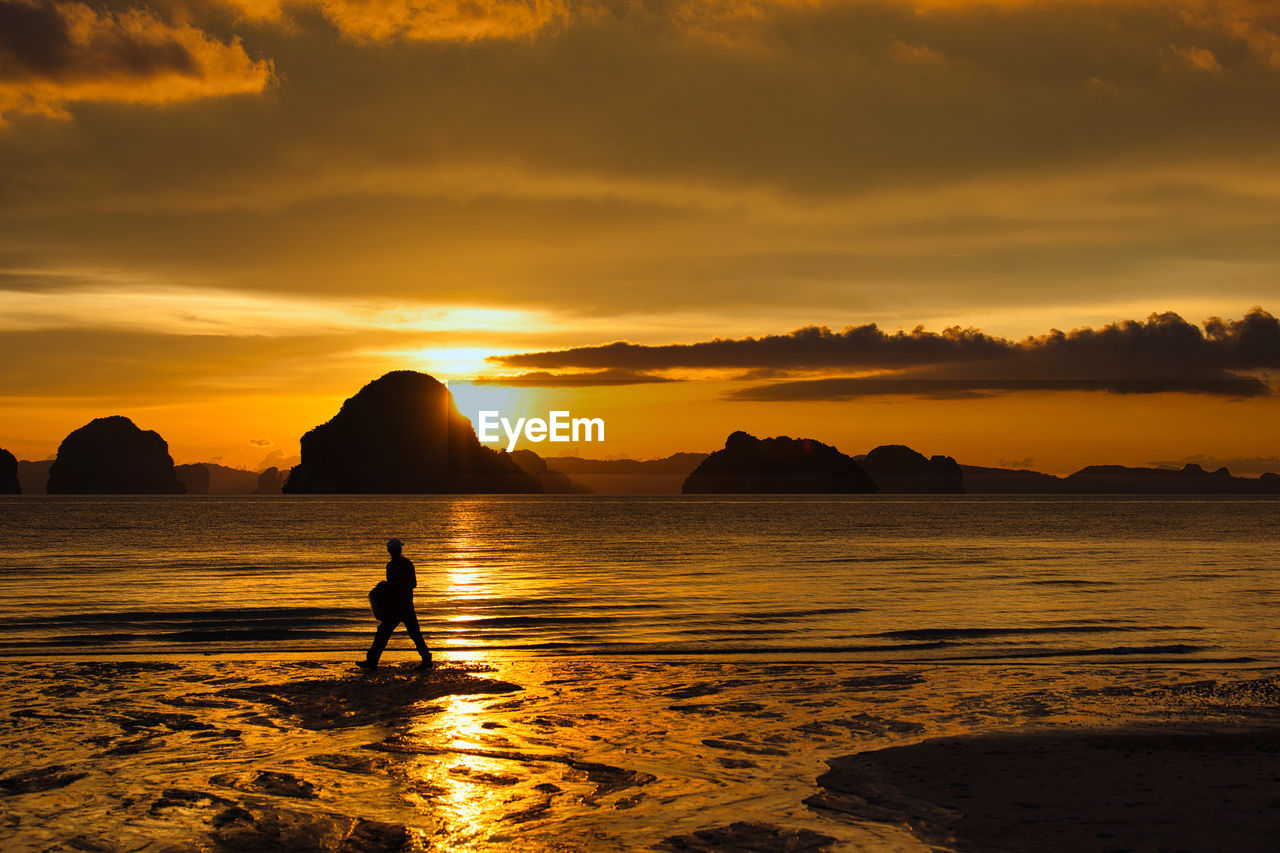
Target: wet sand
(607, 754)
(1099, 790)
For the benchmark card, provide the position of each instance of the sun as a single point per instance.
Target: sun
(446, 363)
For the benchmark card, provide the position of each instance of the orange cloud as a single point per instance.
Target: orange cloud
(1199, 58)
(1256, 23)
(915, 54)
(449, 20)
(374, 21)
(56, 54)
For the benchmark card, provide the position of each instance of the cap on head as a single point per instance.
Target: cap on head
(394, 545)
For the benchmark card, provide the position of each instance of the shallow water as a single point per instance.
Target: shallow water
(876, 579)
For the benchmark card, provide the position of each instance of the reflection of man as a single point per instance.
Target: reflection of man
(397, 608)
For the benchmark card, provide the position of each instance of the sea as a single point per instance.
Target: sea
(875, 578)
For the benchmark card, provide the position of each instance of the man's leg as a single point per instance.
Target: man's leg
(411, 625)
(385, 627)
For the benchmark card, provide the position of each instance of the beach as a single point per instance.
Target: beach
(713, 674)
(563, 754)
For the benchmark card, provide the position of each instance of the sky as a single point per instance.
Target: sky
(1031, 232)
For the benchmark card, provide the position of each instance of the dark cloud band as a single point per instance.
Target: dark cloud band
(590, 379)
(810, 347)
(841, 388)
(1163, 354)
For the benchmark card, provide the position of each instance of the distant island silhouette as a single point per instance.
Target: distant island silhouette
(402, 433)
(628, 476)
(777, 465)
(34, 476)
(980, 480)
(1191, 479)
(9, 484)
(210, 478)
(550, 482)
(898, 468)
(113, 456)
(270, 482)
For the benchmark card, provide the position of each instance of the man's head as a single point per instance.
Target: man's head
(394, 546)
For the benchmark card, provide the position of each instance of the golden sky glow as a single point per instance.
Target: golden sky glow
(222, 218)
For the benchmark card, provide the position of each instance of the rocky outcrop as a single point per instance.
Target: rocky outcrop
(9, 474)
(270, 482)
(402, 434)
(112, 456)
(551, 482)
(899, 469)
(777, 465)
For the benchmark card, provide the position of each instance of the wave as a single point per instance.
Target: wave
(221, 614)
(719, 649)
(1107, 651)
(425, 598)
(533, 621)
(767, 615)
(977, 633)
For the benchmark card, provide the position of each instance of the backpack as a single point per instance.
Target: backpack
(380, 601)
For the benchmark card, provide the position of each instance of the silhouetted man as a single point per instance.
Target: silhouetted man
(398, 607)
